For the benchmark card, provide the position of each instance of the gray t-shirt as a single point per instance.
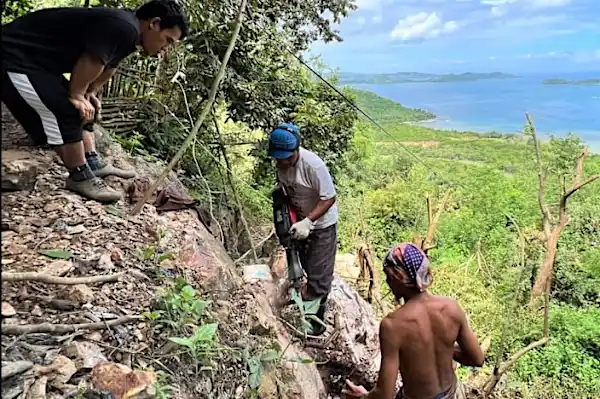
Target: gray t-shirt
(307, 183)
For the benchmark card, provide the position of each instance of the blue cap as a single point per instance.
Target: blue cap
(282, 142)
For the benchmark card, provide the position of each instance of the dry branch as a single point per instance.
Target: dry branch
(50, 279)
(64, 328)
(552, 233)
(546, 219)
(234, 191)
(428, 242)
(260, 244)
(504, 367)
(205, 110)
(369, 273)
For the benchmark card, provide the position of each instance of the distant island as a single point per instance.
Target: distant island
(417, 77)
(585, 82)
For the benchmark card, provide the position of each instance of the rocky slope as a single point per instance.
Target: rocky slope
(163, 275)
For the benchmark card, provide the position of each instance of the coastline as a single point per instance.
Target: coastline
(444, 124)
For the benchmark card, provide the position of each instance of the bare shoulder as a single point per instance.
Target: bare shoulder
(400, 319)
(451, 307)
(391, 327)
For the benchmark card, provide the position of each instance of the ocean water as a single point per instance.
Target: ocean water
(500, 104)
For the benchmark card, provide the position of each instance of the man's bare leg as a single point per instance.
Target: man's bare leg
(101, 168)
(72, 154)
(89, 143)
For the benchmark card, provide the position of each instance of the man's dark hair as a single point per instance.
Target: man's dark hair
(169, 12)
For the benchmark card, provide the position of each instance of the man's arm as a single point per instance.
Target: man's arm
(86, 71)
(97, 84)
(467, 350)
(321, 208)
(324, 185)
(390, 362)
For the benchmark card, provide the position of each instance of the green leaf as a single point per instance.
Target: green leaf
(269, 356)
(303, 361)
(298, 300)
(199, 305)
(187, 292)
(205, 333)
(57, 253)
(113, 210)
(315, 318)
(166, 256)
(256, 372)
(254, 379)
(312, 307)
(182, 341)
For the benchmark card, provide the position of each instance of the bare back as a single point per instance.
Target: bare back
(427, 329)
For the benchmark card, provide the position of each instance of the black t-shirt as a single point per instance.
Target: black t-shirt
(53, 39)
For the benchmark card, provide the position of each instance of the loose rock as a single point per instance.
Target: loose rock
(116, 255)
(8, 310)
(58, 268)
(36, 311)
(120, 380)
(38, 389)
(80, 293)
(18, 174)
(105, 262)
(76, 229)
(59, 372)
(86, 354)
(14, 368)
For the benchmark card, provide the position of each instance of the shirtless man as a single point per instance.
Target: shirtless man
(421, 338)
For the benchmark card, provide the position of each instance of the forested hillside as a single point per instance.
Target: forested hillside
(480, 258)
(490, 241)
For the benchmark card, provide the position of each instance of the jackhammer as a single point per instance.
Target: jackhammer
(284, 217)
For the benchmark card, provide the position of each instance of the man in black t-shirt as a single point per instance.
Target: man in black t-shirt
(88, 43)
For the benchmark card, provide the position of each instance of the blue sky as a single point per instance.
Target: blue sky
(446, 36)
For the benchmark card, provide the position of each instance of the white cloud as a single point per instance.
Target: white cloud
(422, 26)
(498, 2)
(361, 20)
(549, 3)
(492, 58)
(376, 19)
(498, 11)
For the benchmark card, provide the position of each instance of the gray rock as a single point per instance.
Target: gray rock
(14, 368)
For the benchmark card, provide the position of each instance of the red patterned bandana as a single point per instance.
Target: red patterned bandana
(411, 263)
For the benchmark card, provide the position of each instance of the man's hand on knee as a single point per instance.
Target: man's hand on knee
(96, 103)
(84, 106)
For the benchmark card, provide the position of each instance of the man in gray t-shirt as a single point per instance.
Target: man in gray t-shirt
(310, 188)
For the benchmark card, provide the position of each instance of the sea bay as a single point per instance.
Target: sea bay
(499, 105)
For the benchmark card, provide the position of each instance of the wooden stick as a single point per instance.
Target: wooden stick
(428, 241)
(260, 244)
(503, 368)
(207, 107)
(49, 279)
(64, 328)
(234, 191)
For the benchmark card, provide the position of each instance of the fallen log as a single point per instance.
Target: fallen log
(64, 328)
